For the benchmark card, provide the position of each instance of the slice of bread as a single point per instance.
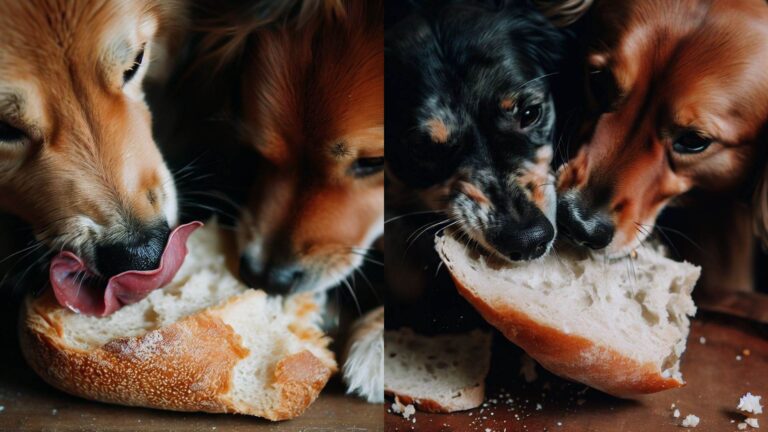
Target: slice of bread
(442, 373)
(205, 342)
(617, 325)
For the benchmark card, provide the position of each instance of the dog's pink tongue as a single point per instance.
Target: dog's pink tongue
(75, 290)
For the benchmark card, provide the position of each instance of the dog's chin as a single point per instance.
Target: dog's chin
(619, 248)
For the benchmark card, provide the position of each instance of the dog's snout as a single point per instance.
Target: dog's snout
(274, 278)
(137, 251)
(588, 227)
(527, 242)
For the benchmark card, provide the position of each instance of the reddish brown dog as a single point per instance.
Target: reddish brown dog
(681, 105)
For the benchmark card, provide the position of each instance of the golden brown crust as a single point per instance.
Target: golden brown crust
(300, 378)
(571, 356)
(471, 398)
(185, 366)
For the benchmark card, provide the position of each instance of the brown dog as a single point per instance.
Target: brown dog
(310, 105)
(680, 99)
(77, 158)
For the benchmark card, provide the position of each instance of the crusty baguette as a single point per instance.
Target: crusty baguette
(203, 343)
(618, 326)
(443, 373)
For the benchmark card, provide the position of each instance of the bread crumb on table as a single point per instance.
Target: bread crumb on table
(750, 403)
(741, 426)
(752, 422)
(676, 414)
(702, 340)
(690, 421)
(409, 411)
(738, 358)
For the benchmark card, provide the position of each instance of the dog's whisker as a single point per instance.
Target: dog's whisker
(398, 217)
(26, 251)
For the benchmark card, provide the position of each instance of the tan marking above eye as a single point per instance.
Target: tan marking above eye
(507, 104)
(438, 131)
(474, 193)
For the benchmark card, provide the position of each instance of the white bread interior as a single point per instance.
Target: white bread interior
(230, 348)
(442, 373)
(617, 325)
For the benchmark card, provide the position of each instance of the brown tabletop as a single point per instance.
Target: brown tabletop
(716, 379)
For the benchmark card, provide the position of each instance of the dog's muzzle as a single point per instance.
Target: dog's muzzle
(585, 226)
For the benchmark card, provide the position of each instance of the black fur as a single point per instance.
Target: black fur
(457, 61)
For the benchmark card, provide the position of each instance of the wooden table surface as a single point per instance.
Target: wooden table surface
(715, 381)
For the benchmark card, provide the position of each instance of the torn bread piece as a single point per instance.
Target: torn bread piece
(443, 373)
(619, 326)
(205, 342)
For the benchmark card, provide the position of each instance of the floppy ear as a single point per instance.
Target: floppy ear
(563, 13)
(540, 40)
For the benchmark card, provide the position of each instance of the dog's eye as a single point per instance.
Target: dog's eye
(364, 167)
(10, 134)
(528, 116)
(691, 142)
(603, 88)
(130, 73)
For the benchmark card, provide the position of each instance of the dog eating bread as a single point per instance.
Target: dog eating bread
(676, 108)
(78, 161)
(308, 98)
(616, 328)
(204, 342)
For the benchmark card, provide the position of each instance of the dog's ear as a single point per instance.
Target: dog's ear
(540, 40)
(563, 13)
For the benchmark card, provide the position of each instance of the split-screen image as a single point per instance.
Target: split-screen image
(370, 215)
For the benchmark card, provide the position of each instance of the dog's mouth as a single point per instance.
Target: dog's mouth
(78, 288)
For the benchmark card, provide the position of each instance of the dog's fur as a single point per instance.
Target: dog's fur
(310, 103)
(77, 158)
(665, 77)
(460, 77)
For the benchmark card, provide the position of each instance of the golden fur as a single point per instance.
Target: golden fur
(87, 164)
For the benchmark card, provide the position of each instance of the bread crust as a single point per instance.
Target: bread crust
(571, 356)
(185, 366)
(471, 397)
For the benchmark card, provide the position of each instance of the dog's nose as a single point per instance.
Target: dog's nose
(278, 279)
(141, 250)
(586, 227)
(527, 242)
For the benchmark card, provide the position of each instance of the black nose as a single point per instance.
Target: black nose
(584, 226)
(140, 250)
(278, 279)
(524, 242)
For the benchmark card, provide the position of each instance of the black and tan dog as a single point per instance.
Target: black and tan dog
(470, 125)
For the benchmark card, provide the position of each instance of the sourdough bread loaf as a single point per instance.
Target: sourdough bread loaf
(617, 325)
(205, 342)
